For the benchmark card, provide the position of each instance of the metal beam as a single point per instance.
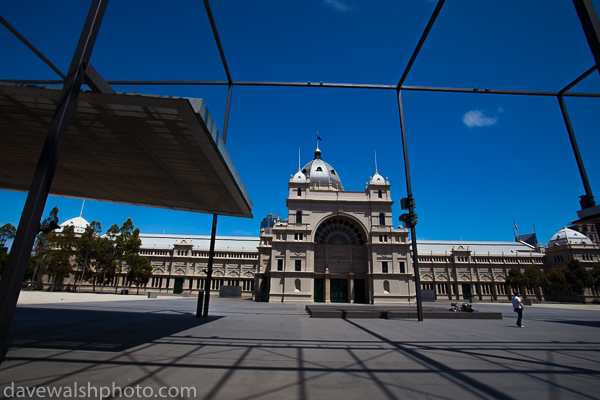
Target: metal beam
(31, 47)
(95, 81)
(213, 25)
(324, 85)
(576, 81)
(437, 10)
(213, 232)
(591, 25)
(16, 266)
(586, 183)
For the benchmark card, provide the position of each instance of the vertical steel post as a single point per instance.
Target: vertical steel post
(411, 209)
(213, 232)
(211, 258)
(10, 285)
(587, 200)
(226, 122)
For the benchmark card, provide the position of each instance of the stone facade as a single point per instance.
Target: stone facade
(336, 245)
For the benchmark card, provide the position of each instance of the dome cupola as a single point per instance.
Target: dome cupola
(299, 177)
(321, 174)
(377, 179)
(568, 236)
(79, 224)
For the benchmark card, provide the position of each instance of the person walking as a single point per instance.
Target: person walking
(518, 307)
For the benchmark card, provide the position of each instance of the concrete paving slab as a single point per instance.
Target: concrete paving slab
(248, 350)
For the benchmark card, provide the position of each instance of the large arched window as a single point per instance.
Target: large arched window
(339, 232)
(382, 219)
(298, 217)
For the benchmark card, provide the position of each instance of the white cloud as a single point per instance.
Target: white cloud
(477, 118)
(337, 5)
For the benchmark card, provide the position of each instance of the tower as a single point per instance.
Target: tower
(337, 245)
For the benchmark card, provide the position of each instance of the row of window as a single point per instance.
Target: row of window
(160, 282)
(385, 269)
(299, 218)
(202, 254)
(297, 265)
(379, 192)
(482, 260)
(481, 289)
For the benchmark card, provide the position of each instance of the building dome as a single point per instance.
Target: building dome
(79, 224)
(377, 179)
(299, 177)
(568, 236)
(321, 173)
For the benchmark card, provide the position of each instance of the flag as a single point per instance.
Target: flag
(515, 226)
(318, 137)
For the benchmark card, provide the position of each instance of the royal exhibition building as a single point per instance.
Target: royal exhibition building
(341, 246)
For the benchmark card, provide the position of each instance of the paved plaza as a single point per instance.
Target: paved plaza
(86, 344)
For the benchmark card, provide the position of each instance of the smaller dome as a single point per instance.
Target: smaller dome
(377, 179)
(568, 236)
(299, 177)
(79, 224)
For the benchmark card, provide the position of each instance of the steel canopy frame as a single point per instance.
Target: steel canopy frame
(586, 13)
(10, 285)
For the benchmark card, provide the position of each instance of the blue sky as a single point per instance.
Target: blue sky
(478, 162)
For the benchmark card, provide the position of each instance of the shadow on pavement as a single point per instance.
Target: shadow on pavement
(95, 330)
(591, 323)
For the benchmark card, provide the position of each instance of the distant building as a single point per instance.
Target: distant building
(565, 245)
(341, 246)
(180, 262)
(269, 221)
(529, 238)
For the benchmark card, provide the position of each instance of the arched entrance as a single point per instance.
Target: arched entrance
(341, 262)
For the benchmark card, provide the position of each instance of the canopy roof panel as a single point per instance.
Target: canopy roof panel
(135, 149)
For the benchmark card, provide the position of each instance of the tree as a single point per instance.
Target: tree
(42, 247)
(3, 260)
(85, 249)
(578, 278)
(140, 270)
(516, 280)
(105, 261)
(59, 259)
(127, 243)
(7, 232)
(558, 282)
(595, 274)
(536, 278)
